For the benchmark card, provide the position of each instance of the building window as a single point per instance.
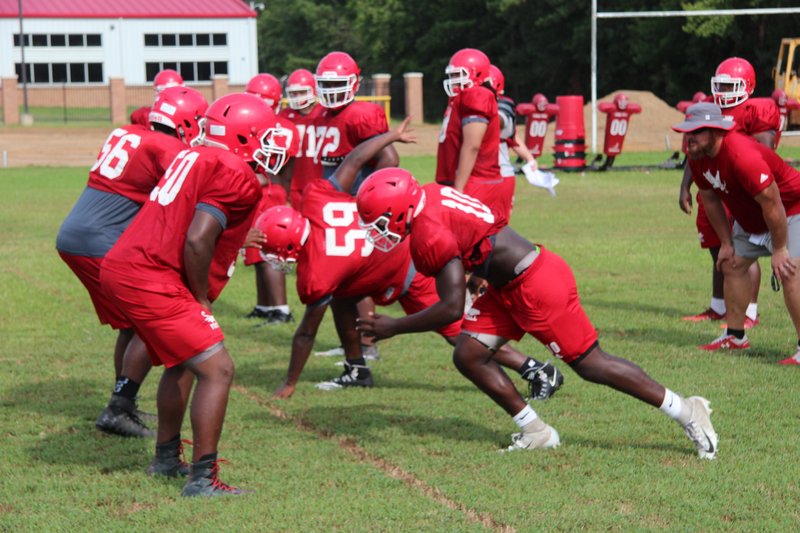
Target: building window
(45, 73)
(59, 39)
(185, 39)
(189, 70)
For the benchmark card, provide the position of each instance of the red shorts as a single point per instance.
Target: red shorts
(88, 271)
(542, 301)
(497, 194)
(165, 315)
(705, 231)
(271, 196)
(421, 295)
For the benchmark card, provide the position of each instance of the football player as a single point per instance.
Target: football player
(164, 80)
(272, 304)
(342, 125)
(531, 289)
(468, 155)
(165, 272)
(337, 267)
(130, 164)
(732, 85)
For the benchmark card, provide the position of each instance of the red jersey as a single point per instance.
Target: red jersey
(339, 131)
(741, 170)
(132, 161)
(755, 115)
(450, 225)
(337, 260)
(305, 169)
(472, 104)
(211, 179)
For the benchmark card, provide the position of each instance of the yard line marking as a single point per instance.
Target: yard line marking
(384, 466)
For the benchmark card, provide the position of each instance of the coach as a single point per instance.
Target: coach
(762, 194)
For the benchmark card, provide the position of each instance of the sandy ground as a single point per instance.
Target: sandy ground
(76, 145)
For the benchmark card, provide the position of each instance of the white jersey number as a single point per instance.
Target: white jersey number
(467, 204)
(341, 239)
(116, 153)
(618, 127)
(308, 140)
(538, 128)
(328, 140)
(174, 177)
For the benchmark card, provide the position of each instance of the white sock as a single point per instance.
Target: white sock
(752, 311)
(525, 417)
(718, 305)
(282, 308)
(675, 408)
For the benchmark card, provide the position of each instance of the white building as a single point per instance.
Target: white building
(82, 42)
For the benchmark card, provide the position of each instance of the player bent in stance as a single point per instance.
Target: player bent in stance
(530, 290)
(173, 262)
(331, 272)
(131, 162)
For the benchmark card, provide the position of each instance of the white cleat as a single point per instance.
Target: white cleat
(700, 430)
(546, 438)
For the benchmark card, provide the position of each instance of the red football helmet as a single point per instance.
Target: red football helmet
(497, 79)
(540, 102)
(268, 88)
(337, 80)
(181, 109)
(698, 97)
(387, 202)
(167, 78)
(468, 67)
(780, 97)
(286, 231)
(241, 123)
(301, 91)
(621, 101)
(733, 82)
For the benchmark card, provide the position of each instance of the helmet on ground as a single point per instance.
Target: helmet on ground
(181, 109)
(387, 202)
(244, 125)
(165, 79)
(337, 80)
(286, 231)
(733, 82)
(268, 88)
(467, 68)
(497, 79)
(301, 90)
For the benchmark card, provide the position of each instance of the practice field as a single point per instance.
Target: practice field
(419, 451)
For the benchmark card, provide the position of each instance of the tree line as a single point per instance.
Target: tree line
(540, 45)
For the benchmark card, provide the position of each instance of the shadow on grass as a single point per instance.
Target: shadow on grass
(63, 412)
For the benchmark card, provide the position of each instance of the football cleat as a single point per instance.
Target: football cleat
(545, 438)
(370, 352)
(279, 317)
(544, 379)
(708, 314)
(700, 430)
(793, 360)
(352, 376)
(258, 313)
(749, 323)
(170, 460)
(119, 418)
(204, 481)
(726, 342)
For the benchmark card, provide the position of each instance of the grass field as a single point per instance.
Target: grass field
(417, 452)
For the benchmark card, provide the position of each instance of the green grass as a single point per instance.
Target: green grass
(80, 115)
(417, 452)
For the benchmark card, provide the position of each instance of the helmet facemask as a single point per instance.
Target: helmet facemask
(271, 156)
(379, 234)
(457, 80)
(728, 91)
(300, 96)
(336, 91)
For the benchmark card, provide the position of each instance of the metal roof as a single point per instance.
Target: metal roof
(127, 9)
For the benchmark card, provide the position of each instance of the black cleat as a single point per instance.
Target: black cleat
(204, 481)
(119, 418)
(544, 380)
(169, 460)
(353, 376)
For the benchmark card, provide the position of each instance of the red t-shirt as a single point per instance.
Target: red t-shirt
(132, 161)
(450, 225)
(472, 104)
(337, 260)
(339, 131)
(305, 169)
(151, 250)
(755, 115)
(740, 171)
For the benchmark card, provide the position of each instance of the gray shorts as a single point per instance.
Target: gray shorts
(752, 246)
